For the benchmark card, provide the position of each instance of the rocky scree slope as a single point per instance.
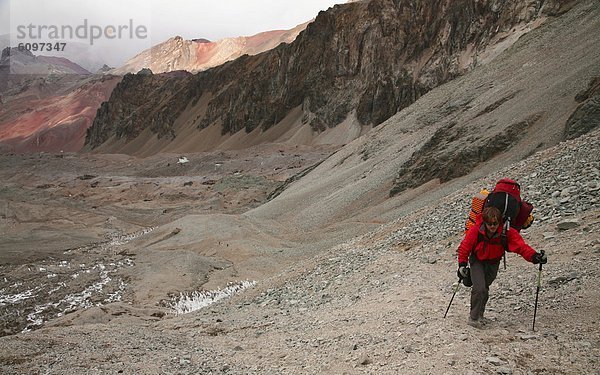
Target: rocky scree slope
(365, 306)
(465, 139)
(365, 60)
(489, 118)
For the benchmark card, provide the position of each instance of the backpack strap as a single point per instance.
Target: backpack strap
(503, 240)
(504, 235)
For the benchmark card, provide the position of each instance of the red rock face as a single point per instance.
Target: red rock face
(46, 112)
(52, 117)
(39, 114)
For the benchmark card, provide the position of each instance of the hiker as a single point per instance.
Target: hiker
(483, 249)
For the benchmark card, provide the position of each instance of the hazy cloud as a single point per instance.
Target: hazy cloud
(190, 19)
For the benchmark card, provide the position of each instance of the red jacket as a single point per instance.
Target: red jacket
(491, 249)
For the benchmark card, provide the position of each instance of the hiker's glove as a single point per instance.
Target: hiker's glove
(463, 271)
(539, 258)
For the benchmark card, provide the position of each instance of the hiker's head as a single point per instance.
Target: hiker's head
(491, 217)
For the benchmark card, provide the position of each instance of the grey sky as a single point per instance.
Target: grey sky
(210, 19)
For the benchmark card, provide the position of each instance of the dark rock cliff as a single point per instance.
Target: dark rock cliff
(587, 115)
(139, 101)
(368, 59)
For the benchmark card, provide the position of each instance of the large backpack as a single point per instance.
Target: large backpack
(506, 196)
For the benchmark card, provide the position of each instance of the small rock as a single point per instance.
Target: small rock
(528, 337)
(184, 361)
(583, 344)
(564, 278)
(558, 280)
(364, 360)
(87, 177)
(565, 192)
(504, 370)
(494, 360)
(568, 224)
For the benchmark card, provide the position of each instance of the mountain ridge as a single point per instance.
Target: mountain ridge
(197, 55)
(390, 59)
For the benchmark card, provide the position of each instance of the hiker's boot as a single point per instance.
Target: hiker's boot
(475, 323)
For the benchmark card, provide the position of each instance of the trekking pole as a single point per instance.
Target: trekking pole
(537, 293)
(504, 240)
(452, 299)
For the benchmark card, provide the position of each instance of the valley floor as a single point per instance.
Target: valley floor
(375, 303)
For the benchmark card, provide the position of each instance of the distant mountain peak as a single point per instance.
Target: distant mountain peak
(200, 54)
(25, 62)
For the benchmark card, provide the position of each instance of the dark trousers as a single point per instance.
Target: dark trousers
(482, 276)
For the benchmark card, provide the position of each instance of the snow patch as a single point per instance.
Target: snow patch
(189, 302)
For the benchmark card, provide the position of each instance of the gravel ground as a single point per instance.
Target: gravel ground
(376, 304)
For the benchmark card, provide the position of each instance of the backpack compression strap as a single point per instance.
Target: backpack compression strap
(503, 240)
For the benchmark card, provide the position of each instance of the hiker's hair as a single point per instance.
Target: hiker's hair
(491, 214)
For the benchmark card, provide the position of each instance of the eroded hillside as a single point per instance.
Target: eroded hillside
(356, 64)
